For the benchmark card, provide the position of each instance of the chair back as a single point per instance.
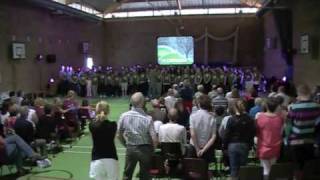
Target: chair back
(282, 171)
(195, 169)
(157, 167)
(311, 170)
(251, 172)
(171, 150)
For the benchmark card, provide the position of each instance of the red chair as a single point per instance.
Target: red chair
(195, 169)
(157, 169)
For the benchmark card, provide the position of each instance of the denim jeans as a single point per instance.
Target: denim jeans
(17, 150)
(238, 155)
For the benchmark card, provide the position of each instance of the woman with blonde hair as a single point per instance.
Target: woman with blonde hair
(104, 164)
(238, 137)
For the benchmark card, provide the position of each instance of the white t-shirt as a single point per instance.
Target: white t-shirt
(172, 132)
(170, 101)
(204, 125)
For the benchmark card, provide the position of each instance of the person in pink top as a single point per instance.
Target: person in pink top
(269, 134)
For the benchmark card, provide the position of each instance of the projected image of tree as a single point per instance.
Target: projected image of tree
(175, 50)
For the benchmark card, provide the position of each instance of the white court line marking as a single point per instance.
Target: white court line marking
(79, 152)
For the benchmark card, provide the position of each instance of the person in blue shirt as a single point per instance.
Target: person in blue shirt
(256, 108)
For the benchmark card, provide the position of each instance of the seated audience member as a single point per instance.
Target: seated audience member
(173, 132)
(32, 114)
(183, 114)
(46, 128)
(14, 150)
(170, 100)
(136, 133)
(13, 97)
(269, 134)
(5, 110)
(220, 100)
(58, 115)
(213, 93)
(104, 163)
(282, 93)
(186, 94)
(84, 113)
(24, 128)
(11, 120)
(302, 116)
(200, 91)
(39, 104)
(257, 108)
(70, 107)
(203, 130)
(238, 138)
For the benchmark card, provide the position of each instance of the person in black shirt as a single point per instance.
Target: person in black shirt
(104, 164)
(238, 138)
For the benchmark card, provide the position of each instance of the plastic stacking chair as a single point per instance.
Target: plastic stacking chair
(251, 172)
(311, 170)
(195, 169)
(282, 171)
(157, 169)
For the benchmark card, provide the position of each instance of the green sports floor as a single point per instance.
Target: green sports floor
(74, 162)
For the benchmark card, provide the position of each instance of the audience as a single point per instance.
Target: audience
(170, 99)
(269, 133)
(238, 137)
(220, 100)
(136, 132)
(173, 132)
(302, 118)
(203, 130)
(256, 108)
(280, 124)
(104, 159)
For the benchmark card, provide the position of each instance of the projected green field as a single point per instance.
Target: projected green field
(175, 50)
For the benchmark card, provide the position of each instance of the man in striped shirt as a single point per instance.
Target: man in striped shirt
(302, 117)
(220, 100)
(136, 132)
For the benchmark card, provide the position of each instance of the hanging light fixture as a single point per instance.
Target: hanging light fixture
(252, 3)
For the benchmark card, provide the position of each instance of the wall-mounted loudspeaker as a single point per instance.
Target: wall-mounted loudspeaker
(51, 58)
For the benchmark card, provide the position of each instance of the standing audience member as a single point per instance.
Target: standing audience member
(269, 133)
(186, 94)
(170, 100)
(302, 117)
(104, 163)
(257, 108)
(173, 132)
(282, 93)
(203, 130)
(136, 132)
(183, 114)
(239, 135)
(220, 100)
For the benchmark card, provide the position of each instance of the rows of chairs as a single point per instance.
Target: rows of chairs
(169, 163)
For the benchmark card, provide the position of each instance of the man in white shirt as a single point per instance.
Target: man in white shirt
(173, 132)
(203, 129)
(170, 100)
